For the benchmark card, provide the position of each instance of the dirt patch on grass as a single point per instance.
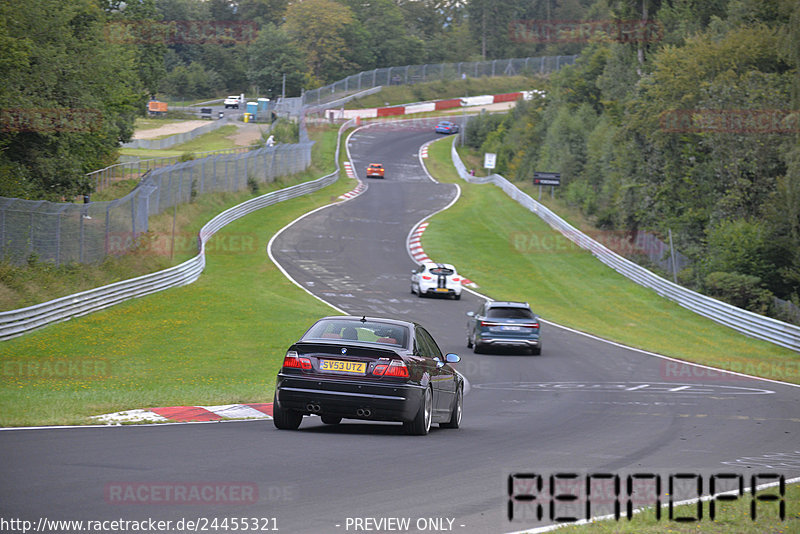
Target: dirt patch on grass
(169, 129)
(248, 134)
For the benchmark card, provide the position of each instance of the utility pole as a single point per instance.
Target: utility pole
(283, 87)
(483, 36)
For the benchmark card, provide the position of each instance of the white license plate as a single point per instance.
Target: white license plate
(511, 328)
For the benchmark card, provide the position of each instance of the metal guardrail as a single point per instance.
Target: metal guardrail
(747, 322)
(18, 322)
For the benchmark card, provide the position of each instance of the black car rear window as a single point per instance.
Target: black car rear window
(441, 270)
(509, 313)
(369, 332)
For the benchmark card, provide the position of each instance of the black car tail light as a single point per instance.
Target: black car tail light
(293, 361)
(396, 368)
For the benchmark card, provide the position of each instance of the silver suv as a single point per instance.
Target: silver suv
(504, 324)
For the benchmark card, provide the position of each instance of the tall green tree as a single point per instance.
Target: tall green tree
(317, 27)
(380, 20)
(85, 90)
(271, 57)
(262, 11)
(149, 55)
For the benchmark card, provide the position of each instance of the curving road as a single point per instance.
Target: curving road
(584, 406)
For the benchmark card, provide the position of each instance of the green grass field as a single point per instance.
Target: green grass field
(219, 139)
(569, 286)
(217, 341)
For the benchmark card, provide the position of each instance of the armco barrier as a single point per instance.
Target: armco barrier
(18, 322)
(752, 324)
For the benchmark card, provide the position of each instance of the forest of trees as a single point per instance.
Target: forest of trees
(696, 133)
(69, 59)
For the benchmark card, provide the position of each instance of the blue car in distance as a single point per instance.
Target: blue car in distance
(447, 127)
(504, 324)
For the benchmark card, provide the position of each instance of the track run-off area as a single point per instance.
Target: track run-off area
(585, 406)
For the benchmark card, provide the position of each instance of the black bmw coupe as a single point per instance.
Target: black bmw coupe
(370, 369)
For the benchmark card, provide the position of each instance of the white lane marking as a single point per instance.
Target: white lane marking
(775, 460)
(681, 388)
(624, 387)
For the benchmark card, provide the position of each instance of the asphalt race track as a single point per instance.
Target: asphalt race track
(584, 406)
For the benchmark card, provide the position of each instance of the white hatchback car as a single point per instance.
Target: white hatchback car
(436, 279)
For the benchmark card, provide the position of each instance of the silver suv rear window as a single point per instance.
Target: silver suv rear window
(509, 313)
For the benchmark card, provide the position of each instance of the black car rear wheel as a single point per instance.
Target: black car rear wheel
(455, 415)
(285, 419)
(422, 421)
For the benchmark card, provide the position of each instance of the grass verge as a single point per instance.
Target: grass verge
(22, 286)
(441, 90)
(220, 340)
(569, 286)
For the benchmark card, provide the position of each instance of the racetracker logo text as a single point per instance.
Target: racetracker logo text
(172, 493)
(55, 369)
(166, 244)
(171, 32)
(741, 121)
(583, 31)
(50, 120)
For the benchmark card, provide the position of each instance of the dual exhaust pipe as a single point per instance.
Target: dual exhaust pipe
(316, 408)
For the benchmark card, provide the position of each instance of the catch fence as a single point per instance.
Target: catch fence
(63, 233)
(411, 74)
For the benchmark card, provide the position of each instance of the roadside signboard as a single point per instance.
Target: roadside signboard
(489, 160)
(546, 178)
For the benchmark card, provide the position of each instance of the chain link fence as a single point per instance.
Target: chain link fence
(134, 166)
(87, 233)
(411, 74)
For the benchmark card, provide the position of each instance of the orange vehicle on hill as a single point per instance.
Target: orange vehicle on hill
(375, 170)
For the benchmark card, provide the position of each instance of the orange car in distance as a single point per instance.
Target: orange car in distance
(375, 170)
